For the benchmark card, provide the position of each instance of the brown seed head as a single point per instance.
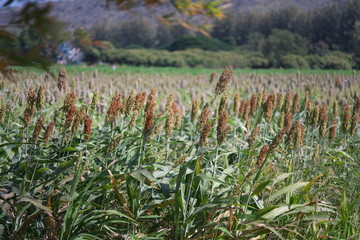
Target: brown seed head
(40, 99)
(31, 97)
(79, 116)
(48, 131)
(169, 103)
(332, 130)
(37, 129)
(224, 80)
(149, 112)
(203, 117)
(222, 129)
(253, 104)
(323, 125)
(277, 140)
(247, 110)
(287, 104)
(170, 122)
(140, 100)
(269, 109)
(205, 133)
(70, 99)
(261, 157)
(28, 113)
(61, 83)
(87, 127)
(114, 109)
(194, 110)
(242, 108)
(295, 105)
(287, 123)
(299, 135)
(69, 116)
(354, 124)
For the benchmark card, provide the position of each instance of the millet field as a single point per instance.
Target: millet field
(225, 155)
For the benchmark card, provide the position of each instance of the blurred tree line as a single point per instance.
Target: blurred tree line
(327, 37)
(320, 38)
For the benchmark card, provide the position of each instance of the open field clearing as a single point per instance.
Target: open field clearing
(145, 154)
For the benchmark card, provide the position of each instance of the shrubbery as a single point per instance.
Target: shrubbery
(215, 59)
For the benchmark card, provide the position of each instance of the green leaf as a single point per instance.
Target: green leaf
(37, 203)
(224, 230)
(287, 189)
(260, 187)
(69, 149)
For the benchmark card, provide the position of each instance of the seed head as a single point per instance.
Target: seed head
(323, 125)
(114, 143)
(269, 108)
(149, 112)
(169, 103)
(61, 83)
(261, 157)
(37, 130)
(345, 120)
(129, 103)
(242, 108)
(252, 138)
(253, 104)
(315, 115)
(170, 122)
(133, 118)
(31, 97)
(354, 123)
(94, 101)
(335, 109)
(40, 99)
(316, 153)
(194, 110)
(70, 100)
(48, 131)
(223, 102)
(287, 123)
(295, 105)
(205, 133)
(281, 120)
(28, 113)
(114, 109)
(287, 104)
(2, 113)
(79, 116)
(203, 117)
(277, 140)
(281, 101)
(224, 80)
(87, 127)
(309, 112)
(332, 130)
(222, 128)
(139, 101)
(69, 116)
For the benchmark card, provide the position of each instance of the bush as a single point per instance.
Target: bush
(315, 61)
(333, 62)
(201, 42)
(293, 61)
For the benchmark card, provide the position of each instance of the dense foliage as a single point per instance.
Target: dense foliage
(90, 156)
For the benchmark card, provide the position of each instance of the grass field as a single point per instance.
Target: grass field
(179, 154)
(107, 69)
